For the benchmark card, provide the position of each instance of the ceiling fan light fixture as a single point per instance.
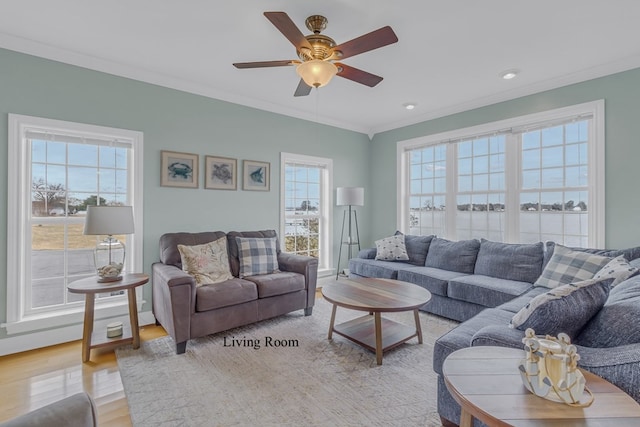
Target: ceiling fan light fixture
(316, 73)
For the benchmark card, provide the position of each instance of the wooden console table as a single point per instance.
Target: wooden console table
(90, 287)
(485, 381)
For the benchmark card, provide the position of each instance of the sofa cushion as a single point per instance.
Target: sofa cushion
(432, 279)
(630, 254)
(566, 308)
(379, 269)
(208, 263)
(391, 249)
(257, 255)
(224, 294)
(517, 303)
(453, 256)
(417, 247)
(617, 322)
(169, 253)
(618, 269)
(461, 335)
(519, 262)
(234, 256)
(567, 266)
(485, 290)
(270, 285)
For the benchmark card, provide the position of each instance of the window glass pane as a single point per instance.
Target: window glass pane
(107, 157)
(83, 155)
(552, 136)
(56, 152)
(39, 151)
(531, 140)
(531, 159)
(82, 179)
(552, 157)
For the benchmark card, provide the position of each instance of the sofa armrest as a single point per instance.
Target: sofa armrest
(498, 335)
(174, 300)
(77, 410)
(369, 253)
(618, 365)
(305, 265)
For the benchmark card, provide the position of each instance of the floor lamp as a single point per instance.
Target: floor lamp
(349, 196)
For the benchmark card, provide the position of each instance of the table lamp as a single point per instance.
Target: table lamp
(109, 254)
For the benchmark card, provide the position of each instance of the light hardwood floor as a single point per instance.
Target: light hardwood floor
(35, 378)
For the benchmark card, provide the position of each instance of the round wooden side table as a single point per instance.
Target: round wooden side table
(486, 382)
(90, 287)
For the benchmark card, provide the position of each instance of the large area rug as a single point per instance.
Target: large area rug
(223, 380)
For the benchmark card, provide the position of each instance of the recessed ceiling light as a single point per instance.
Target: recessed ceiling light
(509, 74)
(409, 105)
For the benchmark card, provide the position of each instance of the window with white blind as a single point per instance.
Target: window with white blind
(56, 169)
(306, 201)
(527, 179)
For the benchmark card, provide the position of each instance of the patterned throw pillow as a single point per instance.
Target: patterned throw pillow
(392, 249)
(207, 263)
(618, 269)
(566, 308)
(257, 255)
(567, 266)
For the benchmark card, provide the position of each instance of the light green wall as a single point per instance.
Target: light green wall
(178, 121)
(621, 93)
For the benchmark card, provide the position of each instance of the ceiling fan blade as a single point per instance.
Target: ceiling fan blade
(303, 89)
(262, 64)
(286, 26)
(358, 75)
(373, 40)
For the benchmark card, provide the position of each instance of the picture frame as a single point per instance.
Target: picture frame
(179, 169)
(220, 173)
(256, 175)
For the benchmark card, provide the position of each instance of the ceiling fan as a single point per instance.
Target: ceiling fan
(319, 53)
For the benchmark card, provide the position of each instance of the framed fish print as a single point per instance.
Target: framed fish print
(179, 170)
(255, 175)
(220, 173)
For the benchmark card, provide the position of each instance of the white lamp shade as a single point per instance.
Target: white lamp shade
(109, 220)
(350, 196)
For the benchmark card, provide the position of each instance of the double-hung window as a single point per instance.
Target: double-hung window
(57, 169)
(527, 179)
(306, 201)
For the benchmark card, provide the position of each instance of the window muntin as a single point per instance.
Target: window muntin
(551, 187)
(306, 199)
(54, 167)
(302, 209)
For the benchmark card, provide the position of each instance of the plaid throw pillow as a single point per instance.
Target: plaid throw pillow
(567, 266)
(257, 255)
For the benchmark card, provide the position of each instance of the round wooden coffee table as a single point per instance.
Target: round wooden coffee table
(376, 296)
(90, 287)
(485, 381)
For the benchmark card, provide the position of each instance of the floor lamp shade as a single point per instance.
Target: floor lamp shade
(109, 254)
(350, 196)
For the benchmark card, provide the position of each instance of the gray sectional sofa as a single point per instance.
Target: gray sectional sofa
(187, 310)
(464, 277)
(486, 294)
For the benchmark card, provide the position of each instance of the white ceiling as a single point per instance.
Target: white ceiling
(448, 57)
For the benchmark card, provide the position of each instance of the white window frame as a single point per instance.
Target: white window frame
(19, 208)
(326, 196)
(596, 162)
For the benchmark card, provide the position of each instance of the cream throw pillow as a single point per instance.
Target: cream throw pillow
(208, 263)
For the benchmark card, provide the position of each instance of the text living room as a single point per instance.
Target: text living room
(240, 289)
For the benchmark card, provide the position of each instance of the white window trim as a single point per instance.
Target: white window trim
(18, 163)
(326, 251)
(596, 160)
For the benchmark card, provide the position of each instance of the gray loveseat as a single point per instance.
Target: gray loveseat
(486, 297)
(188, 311)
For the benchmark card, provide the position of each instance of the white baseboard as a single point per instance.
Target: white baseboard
(32, 341)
